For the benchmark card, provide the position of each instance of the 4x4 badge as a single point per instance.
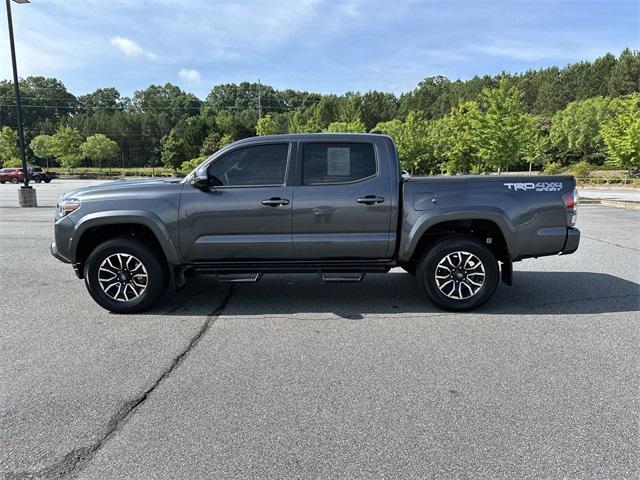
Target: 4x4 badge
(538, 186)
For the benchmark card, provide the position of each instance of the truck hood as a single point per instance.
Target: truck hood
(118, 186)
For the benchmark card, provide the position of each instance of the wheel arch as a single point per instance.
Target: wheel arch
(489, 225)
(98, 227)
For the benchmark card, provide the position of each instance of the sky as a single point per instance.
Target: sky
(325, 46)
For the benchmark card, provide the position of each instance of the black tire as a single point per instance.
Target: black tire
(14, 180)
(47, 180)
(140, 250)
(461, 287)
(37, 179)
(2, 181)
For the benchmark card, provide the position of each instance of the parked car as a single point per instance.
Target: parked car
(38, 175)
(335, 204)
(12, 175)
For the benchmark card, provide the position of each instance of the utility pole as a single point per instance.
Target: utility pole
(26, 194)
(259, 100)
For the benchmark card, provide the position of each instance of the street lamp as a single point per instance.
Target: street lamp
(26, 194)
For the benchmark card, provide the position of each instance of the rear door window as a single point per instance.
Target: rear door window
(330, 163)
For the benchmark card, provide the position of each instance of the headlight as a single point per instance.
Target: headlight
(65, 207)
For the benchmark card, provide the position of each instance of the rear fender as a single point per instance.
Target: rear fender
(411, 234)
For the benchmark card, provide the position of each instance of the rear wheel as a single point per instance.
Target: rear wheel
(124, 275)
(37, 179)
(14, 180)
(2, 181)
(458, 274)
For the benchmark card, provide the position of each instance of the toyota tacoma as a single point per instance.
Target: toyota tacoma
(333, 204)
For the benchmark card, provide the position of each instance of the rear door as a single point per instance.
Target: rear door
(342, 202)
(247, 216)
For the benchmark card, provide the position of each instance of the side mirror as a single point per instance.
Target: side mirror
(203, 181)
(200, 178)
(200, 182)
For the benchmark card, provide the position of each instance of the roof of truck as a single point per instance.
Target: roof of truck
(290, 137)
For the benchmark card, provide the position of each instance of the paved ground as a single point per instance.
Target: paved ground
(631, 194)
(290, 378)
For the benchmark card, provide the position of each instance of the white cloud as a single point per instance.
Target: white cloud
(190, 75)
(131, 48)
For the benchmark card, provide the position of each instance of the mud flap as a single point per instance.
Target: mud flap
(506, 270)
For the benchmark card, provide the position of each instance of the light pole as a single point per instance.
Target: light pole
(26, 194)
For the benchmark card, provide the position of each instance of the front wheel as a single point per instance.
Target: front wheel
(14, 180)
(458, 274)
(124, 275)
(37, 179)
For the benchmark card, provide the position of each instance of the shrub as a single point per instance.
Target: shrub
(553, 168)
(189, 165)
(13, 163)
(581, 169)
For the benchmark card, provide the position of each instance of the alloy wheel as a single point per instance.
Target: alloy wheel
(460, 275)
(123, 277)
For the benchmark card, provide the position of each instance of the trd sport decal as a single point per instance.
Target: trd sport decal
(538, 187)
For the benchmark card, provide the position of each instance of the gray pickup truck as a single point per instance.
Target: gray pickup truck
(333, 204)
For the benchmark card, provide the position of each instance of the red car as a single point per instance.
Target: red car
(13, 175)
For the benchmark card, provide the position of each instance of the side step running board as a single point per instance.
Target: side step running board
(342, 277)
(239, 277)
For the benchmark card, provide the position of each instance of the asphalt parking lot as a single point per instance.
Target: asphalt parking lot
(291, 378)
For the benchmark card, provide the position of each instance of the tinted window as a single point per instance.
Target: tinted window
(259, 165)
(337, 162)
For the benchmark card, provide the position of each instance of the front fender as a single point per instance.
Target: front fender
(119, 217)
(418, 223)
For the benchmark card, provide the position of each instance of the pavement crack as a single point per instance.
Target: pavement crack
(76, 460)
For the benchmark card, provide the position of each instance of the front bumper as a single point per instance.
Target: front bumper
(55, 253)
(572, 241)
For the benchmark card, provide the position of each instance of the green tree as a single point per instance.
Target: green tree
(102, 100)
(226, 140)
(42, 147)
(625, 75)
(413, 139)
(189, 165)
(65, 146)
(265, 126)
(621, 135)
(535, 142)
(354, 126)
(8, 146)
(414, 146)
(99, 148)
(575, 130)
(393, 128)
(210, 144)
(327, 110)
(378, 107)
(456, 140)
(504, 129)
(174, 151)
(300, 122)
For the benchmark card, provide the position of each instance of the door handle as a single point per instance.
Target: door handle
(370, 200)
(275, 202)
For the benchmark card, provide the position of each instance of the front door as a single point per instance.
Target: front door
(342, 204)
(246, 215)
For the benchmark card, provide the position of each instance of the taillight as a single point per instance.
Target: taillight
(571, 202)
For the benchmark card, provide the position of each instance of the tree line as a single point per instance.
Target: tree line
(587, 112)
